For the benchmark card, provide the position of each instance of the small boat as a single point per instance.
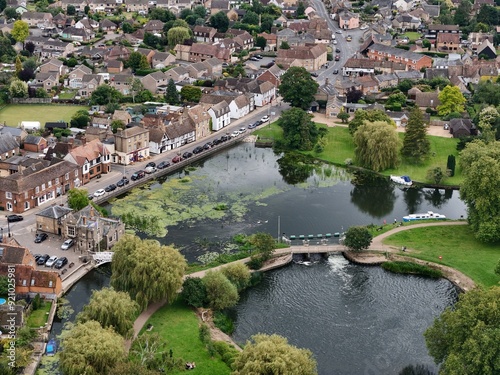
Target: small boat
(402, 180)
(427, 216)
(51, 347)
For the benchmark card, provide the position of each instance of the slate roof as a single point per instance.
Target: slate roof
(54, 212)
(32, 139)
(7, 143)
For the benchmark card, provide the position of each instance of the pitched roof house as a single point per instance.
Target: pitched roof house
(92, 158)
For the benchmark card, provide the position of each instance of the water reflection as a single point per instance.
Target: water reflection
(373, 194)
(295, 168)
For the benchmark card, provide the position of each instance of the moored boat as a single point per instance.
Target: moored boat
(51, 347)
(427, 216)
(402, 180)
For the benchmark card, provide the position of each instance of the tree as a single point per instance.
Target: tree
(117, 124)
(90, 349)
(26, 74)
(200, 11)
(80, 119)
(171, 94)
(397, 99)
(260, 42)
(194, 292)
(19, 65)
(105, 94)
(20, 31)
(220, 21)
(426, 43)
(377, 146)
(297, 87)
(273, 355)
(487, 92)
(137, 61)
(127, 28)
(177, 35)
(10, 13)
(487, 15)
(7, 51)
(239, 71)
(146, 270)
(416, 145)
(357, 238)
(163, 15)
(299, 131)
(450, 165)
(463, 13)
(487, 120)
(361, 116)
(78, 199)
(416, 370)
(111, 309)
(41, 93)
(463, 338)
(135, 86)
(451, 100)
(300, 9)
(238, 274)
(436, 175)
(353, 96)
(343, 116)
(263, 244)
(251, 18)
(191, 93)
(3, 5)
(480, 163)
(71, 10)
(4, 285)
(221, 294)
(18, 89)
(284, 45)
(266, 23)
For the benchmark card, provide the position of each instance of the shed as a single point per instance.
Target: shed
(30, 125)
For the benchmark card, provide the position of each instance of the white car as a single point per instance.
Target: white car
(264, 119)
(99, 193)
(338, 32)
(235, 133)
(242, 130)
(67, 244)
(335, 41)
(50, 262)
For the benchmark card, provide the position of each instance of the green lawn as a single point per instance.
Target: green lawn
(67, 94)
(13, 114)
(177, 325)
(457, 247)
(412, 35)
(39, 317)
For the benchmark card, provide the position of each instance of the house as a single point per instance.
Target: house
(357, 66)
(107, 26)
(162, 59)
(273, 75)
(220, 114)
(78, 34)
(19, 135)
(243, 39)
(197, 70)
(403, 5)
(171, 136)
(9, 146)
(201, 52)
(60, 20)
(432, 10)
(153, 81)
(271, 41)
(310, 57)
(53, 66)
(200, 119)
(425, 100)
(92, 158)
(54, 48)
(214, 66)
(121, 82)
(475, 39)
(368, 84)
(90, 82)
(35, 143)
(50, 126)
(37, 19)
(462, 127)
(487, 50)
(387, 80)
(219, 5)
(87, 24)
(76, 76)
(37, 182)
(14, 254)
(30, 281)
(479, 3)
(448, 42)
(47, 80)
(123, 116)
(117, 52)
(131, 145)
(50, 219)
(412, 60)
(92, 232)
(114, 66)
(149, 53)
(348, 20)
(406, 22)
(436, 29)
(204, 34)
(154, 27)
(139, 6)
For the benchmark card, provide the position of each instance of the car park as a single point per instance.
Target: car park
(110, 188)
(61, 262)
(137, 175)
(177, 159)
(99, 193)
(67, 244)
(187, 155)
(150, 170)
(163, 164)
(42, 259)
(235, 133)
(198, 149)
(14, 218)
(50, 262)
(40, 237)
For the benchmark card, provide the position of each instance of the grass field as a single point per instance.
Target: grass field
(177, 325)
(13, 114)
(39, 317)
(457, 247)
(412, 35)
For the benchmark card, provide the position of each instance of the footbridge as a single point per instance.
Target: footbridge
(312, 249)
(102, 257)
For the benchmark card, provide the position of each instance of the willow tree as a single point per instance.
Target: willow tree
(377, 146)
(221, 293)
(146, 270)
(89, 349)
(111, 309)
(273, 355)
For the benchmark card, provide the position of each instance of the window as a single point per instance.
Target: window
(26, 206)
(24, 282)
(51, 283)
(76, 173)
(32, 282)
(8, 195)
(37, 189)
(71, 231)
(25, 195)
(43, 186)
(66, 176)
(49, 183)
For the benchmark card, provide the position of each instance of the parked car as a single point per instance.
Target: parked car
(150, 170)
(259, 57)
(314, 74)
(224, 138)
(14, 218)
(61, 262)
(40, 237)
(338, 32)
(187, 155)
(137, 175)
(177, 159)
(235, 133)
(90, 197)
(335, 71)
(242, 130)
(252, 126)
(163, 164)
(50, 262)
(216, 141)
(257, 123)
(264, 119)
(335, 41)
(349, 38)
(151, 164)
(37, 256)
(197, 150)
(122, 182)
(207, 146)
(42, 259)
(110, 188)
(67, 244)
(99, 193)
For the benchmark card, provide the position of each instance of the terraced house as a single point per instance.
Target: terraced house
(93, 159)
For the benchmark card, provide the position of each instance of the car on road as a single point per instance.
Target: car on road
(67, 244)
(207, 146)
(109, 188)
(348, 38)
(335, 71)
(99, 193)
(61, 262)
(124, 181)
(242, 130)
(198, 149)
(337, 57)
(235, 134)
(338, 32)
(177, 159)
(42, 259)
(335, 41)
(137, 175)
(187, 155)
(252, 126)
(337, 50)
(314, 74)
(150, 170)
(254, 59)
(163, 164)
(40, 237)
(216, 141)
(264, 119)
(50, 262)
(151, 164)
(14, 218)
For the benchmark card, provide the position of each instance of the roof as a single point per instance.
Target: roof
(427, 99)
(7, 143)
(220, 108)
(54, 212)
(443, 27)
(177, 130)
(52, 125)
(87, 152)
(32, 139)
(396, 52)
(13, 254)
(302, 52)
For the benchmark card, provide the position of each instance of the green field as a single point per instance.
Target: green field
(177, 325)
(412, 35)
(39, 317)
(13, 114)
(457, 247)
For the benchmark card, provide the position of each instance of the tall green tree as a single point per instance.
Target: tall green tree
(221, 294)
(251, 18)
(191, 93)
(137, 61)
(80, 119)
(377, 146)
(171, 94)
(463, 13)
(111, 309)
(480, 163)
(20, 31)
(464, 339)
(260, 42)
(299, 131)
(200, 11)
(18, 89)
(357, 238)
(487, 121)
(452, 100)
(89, 349)
(416, 145)
(78, 199)
(19, 65)
(7, 51)
(238, 274)
(135, 86)
(147, 271)
(263, 244)
(177, 35)
(361, 116)
(273, 355)
(298, 88)
(194, 292)
(300, 9)
(104, 95)
(220, 21)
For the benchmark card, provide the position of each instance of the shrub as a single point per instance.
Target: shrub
(227, 352)
(412, 268)
(255, 263)
(224, 322)
(194, 292)
(204, 334)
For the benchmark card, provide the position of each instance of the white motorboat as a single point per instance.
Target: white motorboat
(427, 216)
(402, 180)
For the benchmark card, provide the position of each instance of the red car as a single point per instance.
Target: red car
(177, 159)
(337, 57)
